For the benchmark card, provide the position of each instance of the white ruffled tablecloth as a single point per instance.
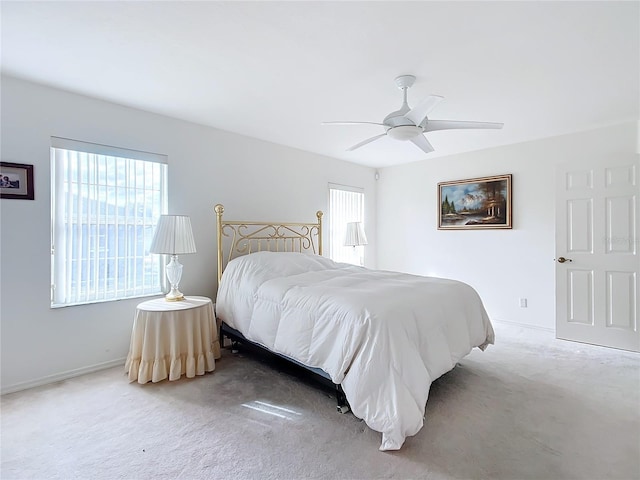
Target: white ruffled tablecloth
(170, 339)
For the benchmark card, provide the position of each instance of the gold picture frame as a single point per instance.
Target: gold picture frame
(16, 181)
(475, 204)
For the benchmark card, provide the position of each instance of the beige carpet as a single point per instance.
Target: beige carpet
(530, 407)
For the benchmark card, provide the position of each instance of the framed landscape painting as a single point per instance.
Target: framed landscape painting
(477, 203)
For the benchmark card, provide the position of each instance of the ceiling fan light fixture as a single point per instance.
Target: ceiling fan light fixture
(404, 132)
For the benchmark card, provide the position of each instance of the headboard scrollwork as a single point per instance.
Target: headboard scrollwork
(243, 238)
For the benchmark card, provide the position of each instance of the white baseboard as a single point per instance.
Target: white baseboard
(526, 325)
(16, 387)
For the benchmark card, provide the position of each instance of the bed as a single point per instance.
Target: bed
(382, 336)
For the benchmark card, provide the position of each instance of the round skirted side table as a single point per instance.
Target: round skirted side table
(171, 339)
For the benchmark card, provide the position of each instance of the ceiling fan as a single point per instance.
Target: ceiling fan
(412, 123)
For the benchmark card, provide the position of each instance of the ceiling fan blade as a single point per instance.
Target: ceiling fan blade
(351, 123)
(368, 140)
(418, 113)
(421, 142)
(432, 125)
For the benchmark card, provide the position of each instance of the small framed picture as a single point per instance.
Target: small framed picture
(16, 181)
(476, 203)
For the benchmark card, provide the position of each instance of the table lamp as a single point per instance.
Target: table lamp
(355, 236)
(173, 237)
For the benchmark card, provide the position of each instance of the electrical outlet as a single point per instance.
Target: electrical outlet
(523, 303)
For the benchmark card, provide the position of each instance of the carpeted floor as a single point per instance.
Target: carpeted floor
(530, 407)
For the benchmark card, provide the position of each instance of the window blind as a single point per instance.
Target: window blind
(106, 202)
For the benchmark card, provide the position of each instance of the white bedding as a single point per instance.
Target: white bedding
(384, 336)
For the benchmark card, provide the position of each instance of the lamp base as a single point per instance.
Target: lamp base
(171, 297)
(174, 273)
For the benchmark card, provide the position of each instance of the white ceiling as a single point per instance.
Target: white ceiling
(276, 70)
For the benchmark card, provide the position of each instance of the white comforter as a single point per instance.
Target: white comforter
(384, 336)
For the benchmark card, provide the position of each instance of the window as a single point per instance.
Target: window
(105, 203)
(346, 204)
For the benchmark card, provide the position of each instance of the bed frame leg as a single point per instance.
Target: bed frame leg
(343, 405)
(234, 343)
(221, 335)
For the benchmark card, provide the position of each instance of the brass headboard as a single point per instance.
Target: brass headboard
(250, 237)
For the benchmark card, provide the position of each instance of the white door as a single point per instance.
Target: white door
(597, 261)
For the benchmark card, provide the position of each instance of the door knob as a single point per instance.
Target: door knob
(562, 260)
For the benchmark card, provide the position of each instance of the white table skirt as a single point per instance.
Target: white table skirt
(170, 339)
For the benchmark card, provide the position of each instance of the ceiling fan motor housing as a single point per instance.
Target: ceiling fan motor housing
(400, 127)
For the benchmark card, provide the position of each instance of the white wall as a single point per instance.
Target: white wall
(254, 180)
(503, 265)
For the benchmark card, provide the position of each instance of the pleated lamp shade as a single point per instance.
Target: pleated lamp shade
(355, 235)
(173, 236)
